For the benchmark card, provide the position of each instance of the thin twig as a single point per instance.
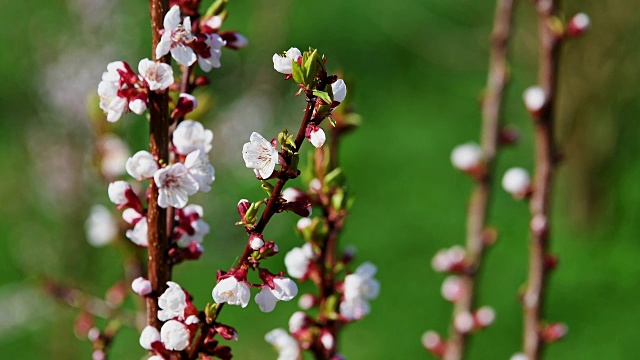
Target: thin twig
(159, 268)
(545, 158)
(479, 202)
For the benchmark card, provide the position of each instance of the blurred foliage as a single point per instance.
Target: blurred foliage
(417, 69)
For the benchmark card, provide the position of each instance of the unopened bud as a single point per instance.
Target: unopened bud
(484, 316)
(202, 81)
(452, 288)
(141, 286)
(519, 356)
(243, 207)
(227, 332)
(517, 182)
(463, 322)
(256, 242)
(304, 223)
(509, 135)
(315, 135)
(234, 40)
(432, 341)
(550, 261)
(467, 157)
(306, 301)
(539, 224)
(578, 25)
(186, 104)
(534, 99)
(554, 332)
(326, 338)
(315, 185)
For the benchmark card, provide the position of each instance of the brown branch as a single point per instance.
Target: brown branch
(159, 268)
(479, 202)
(539, 205)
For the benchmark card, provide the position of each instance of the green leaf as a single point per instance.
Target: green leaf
(335, 178)
(216, 8)
(322, 95)
(267, 187)
(311, 67)
(332, 121)
(298, 75)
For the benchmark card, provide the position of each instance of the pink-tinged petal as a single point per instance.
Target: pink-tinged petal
(164, 46)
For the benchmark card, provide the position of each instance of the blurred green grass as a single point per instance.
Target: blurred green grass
(418, 69)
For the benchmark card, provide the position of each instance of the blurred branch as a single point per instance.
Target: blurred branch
(545, 160)
(479, 203)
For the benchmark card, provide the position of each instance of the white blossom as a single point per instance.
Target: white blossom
(580, 22)
(174, 335)
(190, 136)
(431, 340)
(304, 223)
(296, 321)
(176, 38)
(297, 260)
(175, 184)
(265, 299)
(131, 216)
(148, 336)
(354, 309)
(200, 227)
(284, 289)
(534, 98)
(463, 322)
(101, 228)
(283, 63)
(284, 343)
(260, 155)
(452, 288)
(139, 234)
(215, 44)
(519, 356)
(115, 153)
(231, 291)
(467, 156)
(158, 75)
(141, 286)
(138, 106)
(317, 137)
(172, 302)
(112, 104)
(485, 316)
(516, 181)
(327, 340)
(361, 283)
(200, 169)
(339, 89)
(117, 192)
(141, 165)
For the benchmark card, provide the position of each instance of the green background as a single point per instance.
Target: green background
(416, 69)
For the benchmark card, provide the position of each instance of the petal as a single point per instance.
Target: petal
(164, 46)
(184, 55)
(172, 19)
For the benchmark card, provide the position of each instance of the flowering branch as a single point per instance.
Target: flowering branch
(159, 267)
(479, 163)
(545, 160)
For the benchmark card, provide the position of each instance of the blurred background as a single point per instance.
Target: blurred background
(416, 69)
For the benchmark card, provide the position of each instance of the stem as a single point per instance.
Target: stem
(159, 268)
(479, 202)
(545, 156)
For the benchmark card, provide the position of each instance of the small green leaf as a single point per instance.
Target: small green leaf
(311, 67)
(298, 75)
(332, 121)
(267, 187)
(216, 8)
(322, 95)
(335, 178)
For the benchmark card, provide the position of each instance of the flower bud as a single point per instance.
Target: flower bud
(141, 286)
(315, 185)
(534, 100)
(148, 336)
(452, 288)
(578, 25)
(306, 301)
(432, 341)
(304, 223)
(98, 355)
(117, 192)
(484, 316)
(256, 242)
(234, 40)
(186, 104)
(467, 157)
(327, 340)
(554, 332)
(519, 356)
(243, 207)
(316, 135)
(226, 332)
(463, 322)
(516, 181)
(539, 224)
